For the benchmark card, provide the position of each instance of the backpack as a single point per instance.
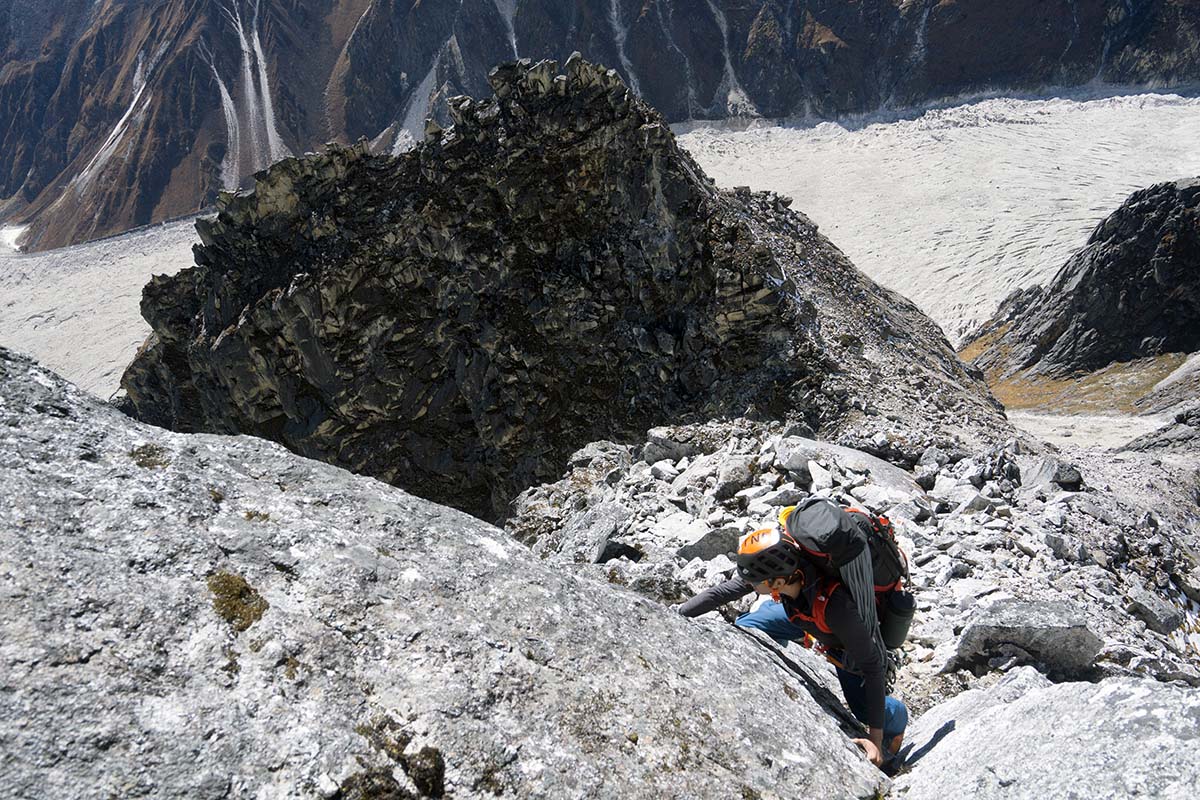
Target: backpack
(834, 538)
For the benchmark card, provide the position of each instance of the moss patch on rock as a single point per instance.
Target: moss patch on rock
(150, 456)
(236, 601)
(373, 784)
(426, 768)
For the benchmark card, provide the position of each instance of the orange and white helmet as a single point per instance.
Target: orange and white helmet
(766, 554)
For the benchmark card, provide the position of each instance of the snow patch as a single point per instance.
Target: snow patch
(249, 90)
(620, 33)
(10, 237)
(736, 101)
(102, 156)
(920, 46)
(230, 171)
(412, 575)
(693, 104)
(275, 147)
(508, 13)
(412, 126)
(265, 144)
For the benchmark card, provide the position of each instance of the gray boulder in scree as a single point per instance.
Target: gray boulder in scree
(1056, 634)
(1028, 738)
(199, 616)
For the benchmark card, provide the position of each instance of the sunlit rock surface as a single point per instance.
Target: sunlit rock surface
(205, 616)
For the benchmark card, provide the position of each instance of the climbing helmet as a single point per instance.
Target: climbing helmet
(767, 553)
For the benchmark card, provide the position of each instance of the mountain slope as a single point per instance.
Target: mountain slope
(1122, 313)
(119, 113)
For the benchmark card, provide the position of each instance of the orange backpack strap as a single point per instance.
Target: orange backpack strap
(820, 603)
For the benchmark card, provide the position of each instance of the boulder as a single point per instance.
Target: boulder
(716, 543)
(877, 498)
(787, 495)
(668, 444)
(1049, 475)
(664, 470)
(1025, 737)
(933, 456)
(679, 529)
(242, 621)
(966, 499)
(602, 454)
(1066, 546)
(945, 485)
(586, 537)
(910, 510)
(1154, 610)
(1056, 633)
(821, 479)
(794, 452)
(734, 474)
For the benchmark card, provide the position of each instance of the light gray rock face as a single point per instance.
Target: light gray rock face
(794, 452)
(1026, 738)
(1054, 634)
(197, 616)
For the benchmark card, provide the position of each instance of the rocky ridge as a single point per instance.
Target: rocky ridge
(119, 114)
(1132, 292)
(1182, 433)
(550, 270)
(1017, 557)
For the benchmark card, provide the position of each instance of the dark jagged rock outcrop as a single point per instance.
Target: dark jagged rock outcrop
(114, 114)
(549, 271)
(1133, 292)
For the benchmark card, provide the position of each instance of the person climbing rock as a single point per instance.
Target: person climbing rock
(811, 602)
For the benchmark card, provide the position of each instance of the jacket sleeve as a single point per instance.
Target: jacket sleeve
(718, 595)
(862, 651)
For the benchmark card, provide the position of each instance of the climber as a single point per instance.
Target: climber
(808, 606)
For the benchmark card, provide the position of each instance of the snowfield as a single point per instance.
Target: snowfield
(956, 207)
(76, 309)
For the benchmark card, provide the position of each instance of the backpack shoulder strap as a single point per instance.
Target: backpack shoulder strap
(819, 605)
